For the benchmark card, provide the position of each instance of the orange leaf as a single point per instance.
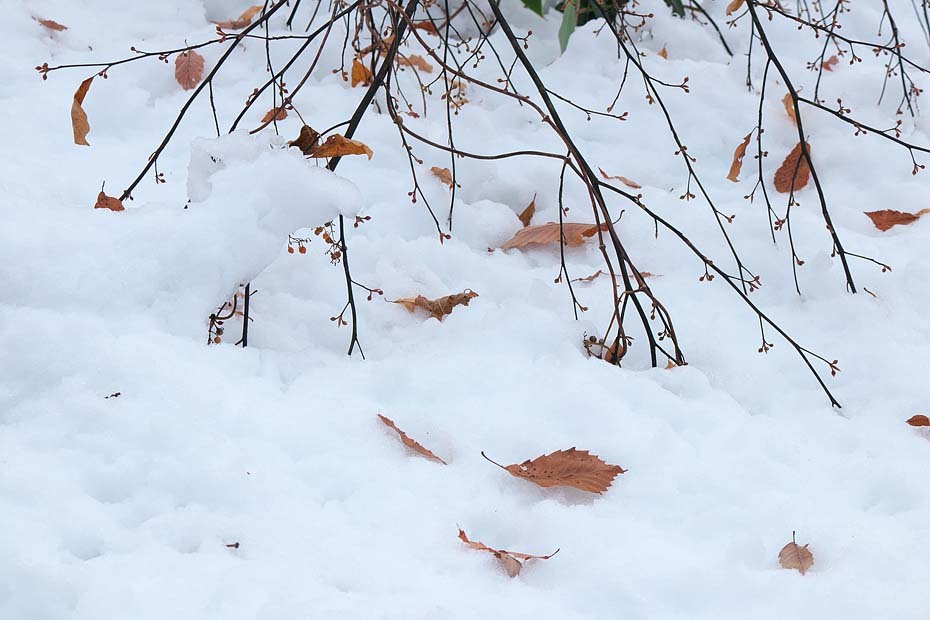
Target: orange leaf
(51, 25)
(734, 6)
(889, 218)
(425, 26)
(438, 308)
(542, 234)
(510, 560)
(417, 62)
(108, 202)
(79, 123)
(794, 556)
(527, 214)
(244, 20)
(788, 102)
(919, 420)
(307, 141)
(829, 63)
(360, 74)
(794, 172)
(188, 69)
(443, 174)
(338, 146)
(410, 443)
(738, 155)
(624, 180)
(568, 468)
(275, 114)
(663, 53)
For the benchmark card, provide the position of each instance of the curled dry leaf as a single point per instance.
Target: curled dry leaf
(738, 155)
(306, 141)
(50, 24)
(541, 234)
(788, 102)
(244, 20)
(361, 75)
(410, 443)
(438, 308)
(829, 63)
(734, 6)
(510, 560)
(275, 114)
(624, 180)
(567, 468)
(425, 26)
(79, 123)
(795, 556)
(417, 62)
(444, 175)
(794, 172)
(889, 218)
(188, 69)
(527, 214)
(108, 202)
(663, 53)
(919, 420)
(338, 146)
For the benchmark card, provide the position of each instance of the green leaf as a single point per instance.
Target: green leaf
(677, 7)
(536, 6)
(569, 21)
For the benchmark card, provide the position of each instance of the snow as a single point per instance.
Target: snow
(123, 506)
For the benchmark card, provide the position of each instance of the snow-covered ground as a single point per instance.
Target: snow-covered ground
(123, 507)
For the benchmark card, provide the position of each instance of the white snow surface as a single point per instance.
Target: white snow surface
(122, 507)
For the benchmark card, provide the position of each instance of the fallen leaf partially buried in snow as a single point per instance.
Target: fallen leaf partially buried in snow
(361, 75)
(80, 126)
(567, 468)
(108, 202)
(622, 179)
(438, 308)
(444, 175)
(575, 234)
(919, 420)
(830, 62)
(510, 560)
(417, 62)
(737, 165)
(794, 172)
(410, 443)
(244, 20)
(788, 102)
(50, 24)
(526, 216)
(339, 146)
(889, 218)
(188, 69)
(794, 556)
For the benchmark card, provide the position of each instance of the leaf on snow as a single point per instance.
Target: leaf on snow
(889, 218)
(737, 165)
(410, 443)
(794, 556)
(79, 123)
(360, 74)
(829, 63)
(108, 202)
(50, 24)
(443, 174)
(663, 53)
(734, 6)
(541, 234)
(527, 214)
(919, 420)
(188, 69)
(306, 141)
(624, 180)
(243, 21)
(338, 145)
(794, 172)
(275, 114)
(568, 468)
(510, 560)
(788, 102)
(438, 308)
(417, 62)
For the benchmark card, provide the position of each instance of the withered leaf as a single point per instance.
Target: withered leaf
(734, 6)
(438, 308)
(338, 145)
(306, 141)
(188, 69)
(425, 26)
(417, 62)
(568, 468)
(510, 560)
(79, 123)
(794, 172)
(410, 443)
(794, 556)
(527, 214)
(737, 165)
(360, 74)
(919, 420)
(624, 180)
(889, 218)
(829, 63)
(788, 102)
(443, 174)
(541, 234)
(108, 202)
(50, 24)
(663, 53)
(275, 114)
(244, 20)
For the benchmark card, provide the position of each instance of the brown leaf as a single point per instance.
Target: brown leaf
(244, 20)
(425, 26)
(79, 123)
(510, 560)
(663, 53)
(738, 155)
(443, 174)
(889, 218)
(734, 6)
(794, 172)
(338, 146)
(360, 74)
(275, 114)
(108, 202)
(591, 277)
(51, 25)
(188, 69)
(527, 214)
(624, 180)
(307, 141)
(542, 234)
(438, 308)
(829, 63)
(568, 468)
(794, 556)
(417, 62)
(919, 420)
(410, 443)
(788, 102)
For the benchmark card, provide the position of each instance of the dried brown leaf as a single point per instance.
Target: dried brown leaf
(307, 141)
(663, 53)
(108, 202)
(188, 69)
(794, 172)
(275, 114)
(510, 560)
(919, 420)
(361, 75)
(79, 123)
(438, 308)
(410, 443)
(788, 102)
(417, 62)
(624, 180)
(243, 20)
(444, 175)
(737, 165)
(541, 234)
(568, 468)
(794, 556)
(527, 214)
(889, 218)
(50, 24)
(830, 62)
(338, 146)
(425, 26)
(734, 6)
